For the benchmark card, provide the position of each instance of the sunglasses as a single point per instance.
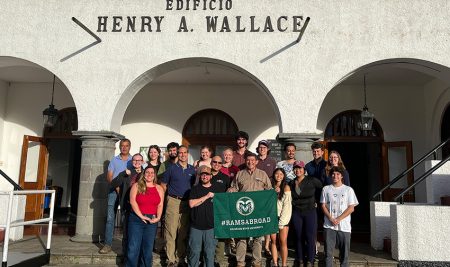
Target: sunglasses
(215, 161)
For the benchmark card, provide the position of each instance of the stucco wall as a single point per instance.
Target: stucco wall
(420, 232)
(341, 37)
(153, 117)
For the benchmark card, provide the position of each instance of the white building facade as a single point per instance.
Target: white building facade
(281, 70)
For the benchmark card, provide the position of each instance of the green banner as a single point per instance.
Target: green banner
(245, 214)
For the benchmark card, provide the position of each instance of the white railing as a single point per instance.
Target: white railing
(9, 224)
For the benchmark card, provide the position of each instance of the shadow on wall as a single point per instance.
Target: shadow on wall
(99, 204)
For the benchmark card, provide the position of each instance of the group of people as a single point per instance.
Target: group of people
(182, 196)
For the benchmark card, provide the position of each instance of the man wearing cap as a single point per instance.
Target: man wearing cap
(241, 150)
(202, 219)
(177, 182)
(288, 163)
(265, 163)
(338, 202)
(247, 180)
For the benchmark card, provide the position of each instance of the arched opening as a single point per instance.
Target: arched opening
(164, 99)
(406, 96)
(211, 127)
(25, 91)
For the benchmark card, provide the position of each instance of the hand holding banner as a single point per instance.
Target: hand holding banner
(245, 214)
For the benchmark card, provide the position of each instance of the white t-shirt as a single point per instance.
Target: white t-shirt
(337, 200)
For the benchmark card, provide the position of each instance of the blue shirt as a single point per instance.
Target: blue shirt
(117, 165)
(179, 180)
(315, 170)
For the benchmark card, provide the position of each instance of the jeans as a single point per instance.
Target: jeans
(305, 226)
(343, 241)
(196, 239)
(141, 237)
(110, 217)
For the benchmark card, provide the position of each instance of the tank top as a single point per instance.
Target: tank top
(148, 202)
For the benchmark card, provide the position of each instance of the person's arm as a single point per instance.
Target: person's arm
(286, 210)
(327, 213)
(135, 206)
(267, 183)
(198, 201)
(118, 181)
(109, 176)
(165, 179)
(160, 205)
(234, 184)
(346, 213)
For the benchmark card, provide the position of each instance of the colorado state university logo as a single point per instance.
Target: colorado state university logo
(245, 206)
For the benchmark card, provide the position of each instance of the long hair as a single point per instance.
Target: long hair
(157, 149)
(329, 166)
(282, 184)
(141, 184)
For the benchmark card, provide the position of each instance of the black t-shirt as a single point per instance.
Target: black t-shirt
(202, 216)
(222, 181)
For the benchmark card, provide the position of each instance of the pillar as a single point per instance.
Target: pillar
(303, 143)
(97, 150)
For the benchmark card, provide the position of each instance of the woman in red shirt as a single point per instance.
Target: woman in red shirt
(146, 199)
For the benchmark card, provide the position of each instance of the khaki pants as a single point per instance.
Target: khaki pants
(176, 229)
(241, 250)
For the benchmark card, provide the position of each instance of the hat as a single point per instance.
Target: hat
(242, 134)
(298, 164)
(204, 169)
(264, 143)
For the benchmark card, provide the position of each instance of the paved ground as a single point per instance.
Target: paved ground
(67, 253)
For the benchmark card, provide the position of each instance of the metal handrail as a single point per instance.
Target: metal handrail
(9, 225)
(401, 175)
(11, 181)
(420, 179)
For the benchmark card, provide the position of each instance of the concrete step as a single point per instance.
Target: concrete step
(67, 253)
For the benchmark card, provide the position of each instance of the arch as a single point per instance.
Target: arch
(159, 70)
(344, 126)
(418, 69)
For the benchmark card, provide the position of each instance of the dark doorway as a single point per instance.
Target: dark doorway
(363, 162)
(445, 132)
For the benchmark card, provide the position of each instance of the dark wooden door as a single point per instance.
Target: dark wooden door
(33, 176)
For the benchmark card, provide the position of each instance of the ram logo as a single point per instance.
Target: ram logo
(245, 206)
